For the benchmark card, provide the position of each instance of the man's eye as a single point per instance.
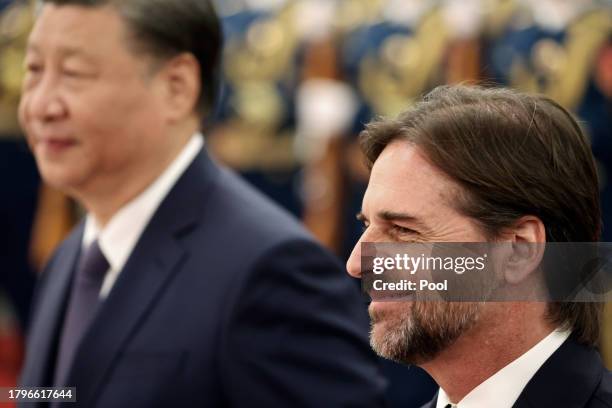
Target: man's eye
(398, 229)
(34, 68)
(72, 73)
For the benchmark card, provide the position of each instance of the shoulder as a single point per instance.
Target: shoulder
(246, 234)
(603, 394)
(238, 207)
(574, 375)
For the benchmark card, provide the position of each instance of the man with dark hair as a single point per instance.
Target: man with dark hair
(469, 164)
(182, 287)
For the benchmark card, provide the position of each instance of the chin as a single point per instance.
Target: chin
(388, 341)
(60, 176)
(389, 329)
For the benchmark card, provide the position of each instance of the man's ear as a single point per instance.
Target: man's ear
(528, 239)
(181, 86)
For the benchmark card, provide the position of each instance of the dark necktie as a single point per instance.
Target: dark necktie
(84, 299)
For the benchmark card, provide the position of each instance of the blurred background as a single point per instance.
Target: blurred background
(302, 77)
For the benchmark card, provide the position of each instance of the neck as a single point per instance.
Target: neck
(486, 349)
(110, 192)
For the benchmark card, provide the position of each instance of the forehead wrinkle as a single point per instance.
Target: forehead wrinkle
(383, 205)
(403, 174)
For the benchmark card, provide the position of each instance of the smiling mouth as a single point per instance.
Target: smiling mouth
(392, 296)
(381, 312)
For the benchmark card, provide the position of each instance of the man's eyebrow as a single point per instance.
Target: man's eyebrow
(391, 215)
(65, 51)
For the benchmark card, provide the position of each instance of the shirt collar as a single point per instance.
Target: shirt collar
(119, 237)
(503, 388)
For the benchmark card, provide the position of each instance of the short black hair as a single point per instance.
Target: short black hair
(166, 28)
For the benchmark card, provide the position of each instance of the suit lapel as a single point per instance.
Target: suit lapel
(433, 402)
(154, 261)
(567, 379)
(43, 332)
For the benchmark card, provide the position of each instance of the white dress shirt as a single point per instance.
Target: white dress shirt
(503, 388)
(119, 237)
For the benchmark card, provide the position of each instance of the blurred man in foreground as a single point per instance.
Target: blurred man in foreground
(183, 287)
(475, 165)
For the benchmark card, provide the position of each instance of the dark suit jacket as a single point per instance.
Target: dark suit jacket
(225, 301)
(573, 377)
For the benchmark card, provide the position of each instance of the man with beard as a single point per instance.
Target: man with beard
(470, 164)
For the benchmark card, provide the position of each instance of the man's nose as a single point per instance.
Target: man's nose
(353, 265)
(43, 102)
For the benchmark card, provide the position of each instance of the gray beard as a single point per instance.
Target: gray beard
(420, 334)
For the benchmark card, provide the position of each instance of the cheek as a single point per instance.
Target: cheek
(22, 111)
(99, 123)
(24, 120)
(128, 120)
(98, 134)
